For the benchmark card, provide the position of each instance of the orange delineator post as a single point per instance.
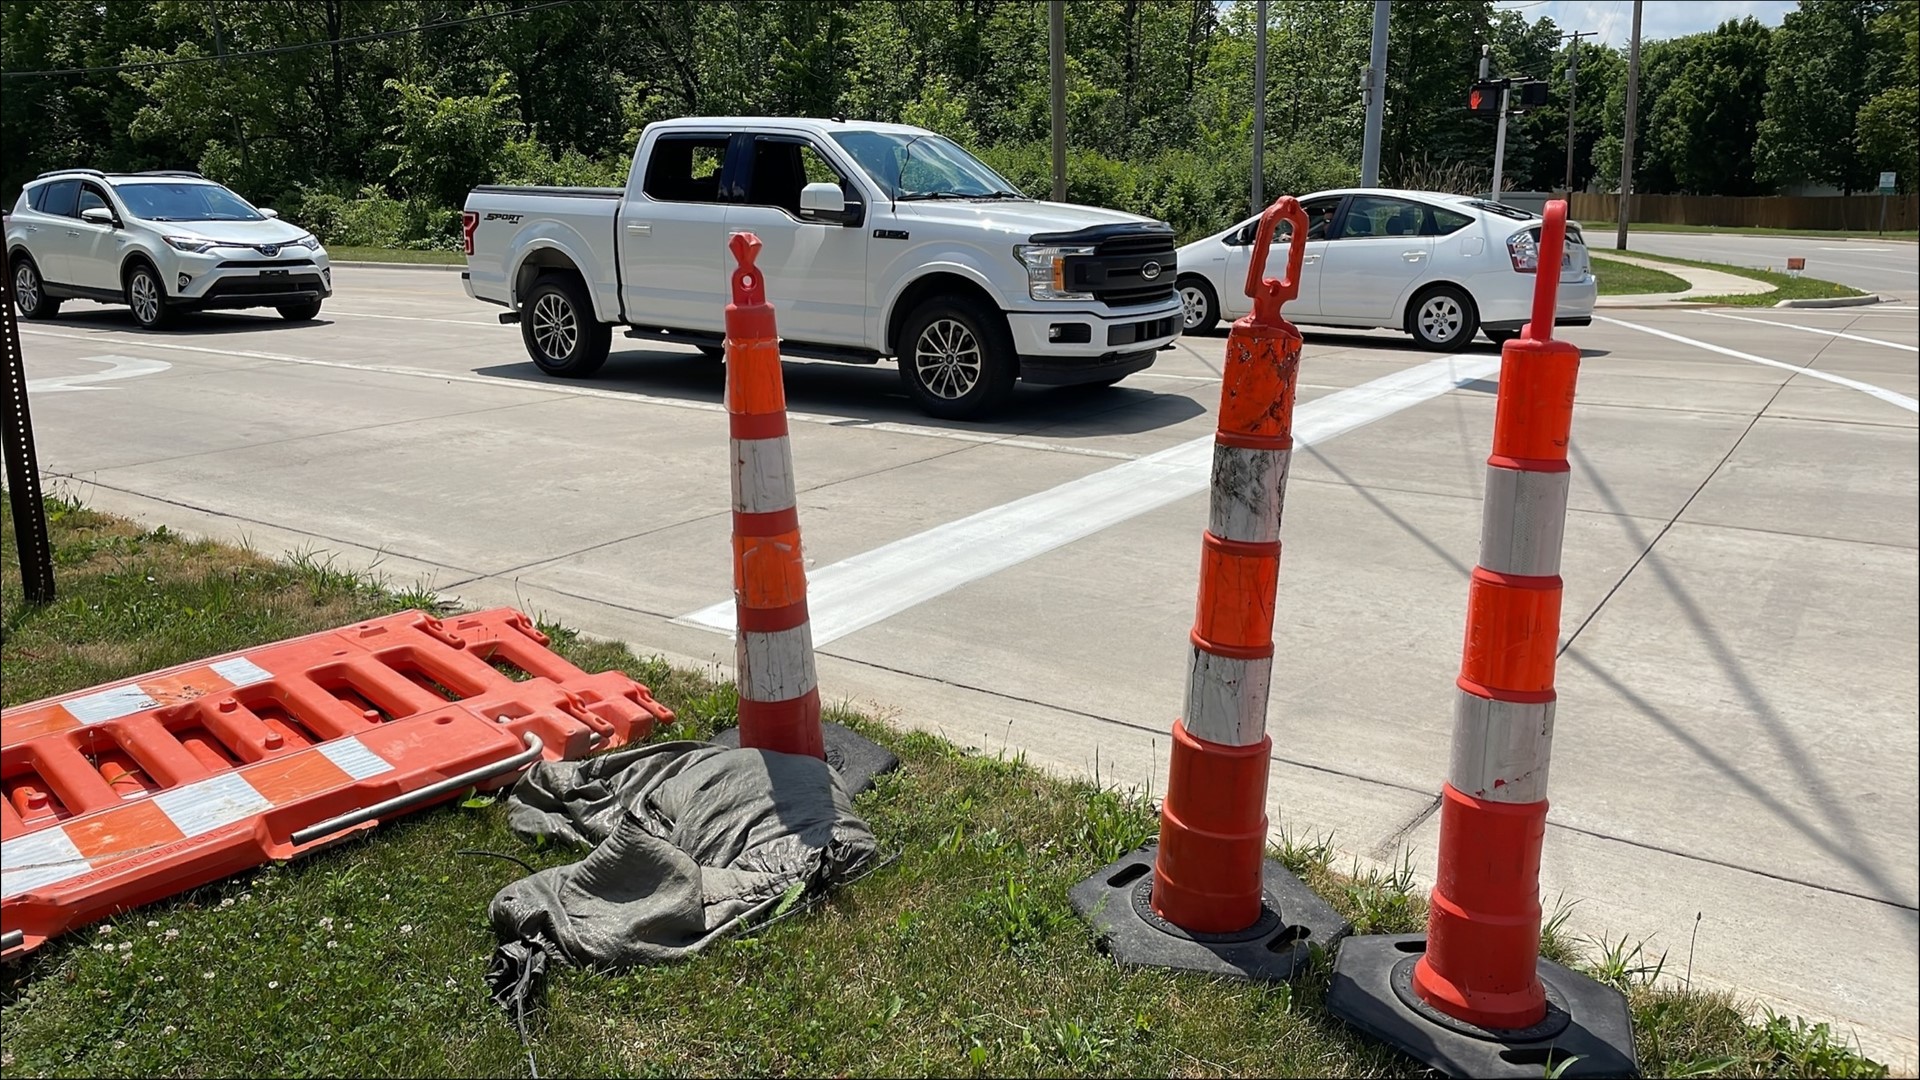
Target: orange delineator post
(1475, 998)
(1213, 824)
(1483, 931)
(773, 641)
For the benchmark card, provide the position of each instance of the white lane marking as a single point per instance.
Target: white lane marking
(853, 423)
(1813, 330)
(860, 591)
(1880, 392)
(121, 367)
(1860, 250)
(415, 318)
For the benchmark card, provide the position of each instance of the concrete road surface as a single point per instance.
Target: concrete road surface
(1886, 267)
(1737, 723)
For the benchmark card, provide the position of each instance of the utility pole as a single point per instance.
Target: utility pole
(1626, 140)
(1500, 132)
(1259, 102)
(1057, 45)
(1573, 89)
(1376, 97)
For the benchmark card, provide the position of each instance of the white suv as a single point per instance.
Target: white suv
(158, 242)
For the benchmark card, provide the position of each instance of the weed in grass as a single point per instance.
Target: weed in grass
(1555, 944)
(1114, 824)
(1799, 1048)
(1078, 1045)
(1015, 917)
(1385, 903)
(1623, 966)
(1313, 856)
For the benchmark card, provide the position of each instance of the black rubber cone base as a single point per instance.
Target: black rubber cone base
(1588, 1025)
(1278, 946)
(855, 757)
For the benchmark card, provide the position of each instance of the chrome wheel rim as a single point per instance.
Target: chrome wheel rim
(947, 359)
(1193, 306)
(1440, 319)
(554, 328)
(26, 289)
(144, 296)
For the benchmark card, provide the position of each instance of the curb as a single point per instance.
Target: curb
(1837, 301)
(397, 265)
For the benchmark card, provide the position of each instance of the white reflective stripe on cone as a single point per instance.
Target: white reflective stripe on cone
(1522, 521)
(1249, 487)
(1500, 749)
(775, 665)
(1227, 698)
(762, 475)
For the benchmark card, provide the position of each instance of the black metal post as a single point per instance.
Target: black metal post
(23, 470)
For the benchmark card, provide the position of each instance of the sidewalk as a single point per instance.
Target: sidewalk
(1700, 282)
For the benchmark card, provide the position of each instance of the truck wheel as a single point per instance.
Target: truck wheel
(559, 329)
(957, 358)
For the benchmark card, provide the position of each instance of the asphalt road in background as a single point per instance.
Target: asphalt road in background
(1888, 267)
(1736, 734)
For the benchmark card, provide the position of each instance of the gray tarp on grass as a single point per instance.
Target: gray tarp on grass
(688, 839)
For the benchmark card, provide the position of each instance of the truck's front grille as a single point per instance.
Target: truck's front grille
(1128, 270)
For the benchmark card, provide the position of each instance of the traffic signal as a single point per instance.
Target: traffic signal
(1484, 98)
(1533, 94)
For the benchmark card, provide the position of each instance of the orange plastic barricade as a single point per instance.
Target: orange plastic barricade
(1206, 898)
(124, 794)
(1472, 996)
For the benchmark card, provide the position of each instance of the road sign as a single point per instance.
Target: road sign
(1886, 183)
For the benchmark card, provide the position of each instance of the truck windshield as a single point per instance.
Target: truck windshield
(911, 166)
(185, 202)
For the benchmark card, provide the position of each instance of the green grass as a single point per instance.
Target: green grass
(1625, 279)
(960, 957)
(1785, 286)
(1608, 228)
(395, 255)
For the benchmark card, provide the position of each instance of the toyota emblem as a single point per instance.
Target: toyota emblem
(1150, 271)
(270, 250)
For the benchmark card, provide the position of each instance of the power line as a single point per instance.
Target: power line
(280, 49)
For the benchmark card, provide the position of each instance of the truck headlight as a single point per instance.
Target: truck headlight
(1047, 270)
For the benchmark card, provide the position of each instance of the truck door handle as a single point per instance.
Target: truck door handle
(1413, 256)
(640, 228)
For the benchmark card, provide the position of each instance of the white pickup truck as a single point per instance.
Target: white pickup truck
(880, 240)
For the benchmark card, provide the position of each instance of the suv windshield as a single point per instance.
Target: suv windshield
(185, 202)
(923, 166)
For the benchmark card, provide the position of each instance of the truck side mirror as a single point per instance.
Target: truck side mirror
(827, 203)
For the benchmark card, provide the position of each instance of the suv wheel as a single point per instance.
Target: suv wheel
(957, 358)
(147, 297)
(1442, 319)
(559, 330)
(29, 294)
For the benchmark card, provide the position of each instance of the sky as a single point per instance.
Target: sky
(1658, 18)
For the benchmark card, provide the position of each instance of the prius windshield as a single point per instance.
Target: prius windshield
(909, 166)
(185, 202)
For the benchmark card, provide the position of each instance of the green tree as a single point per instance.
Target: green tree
(1817, 82)
(1707, 117)
(1885, 127)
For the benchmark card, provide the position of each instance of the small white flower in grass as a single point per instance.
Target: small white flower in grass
(121, 1044)
(126, 946)
(105, 928)
(274, 985)
(171, 934)
(208, 975)
(406, 928)
(326, 922)
(159, 978)
(153, 922)
(333, 944)
(226, 902)
(168, 1030)
(347, 926)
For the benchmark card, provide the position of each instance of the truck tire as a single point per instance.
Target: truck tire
(957, 358)
(559, 330)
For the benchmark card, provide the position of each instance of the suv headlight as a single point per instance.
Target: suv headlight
(1047, 270)
(188, 243)
(310, 242)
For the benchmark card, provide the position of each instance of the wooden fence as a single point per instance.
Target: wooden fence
(1858, 212)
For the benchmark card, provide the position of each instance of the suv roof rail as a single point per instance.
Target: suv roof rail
(167, 172)
(63, 172)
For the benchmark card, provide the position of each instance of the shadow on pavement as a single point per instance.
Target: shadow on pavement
(866, 394)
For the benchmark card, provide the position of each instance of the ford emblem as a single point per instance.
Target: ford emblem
(1150, 271)
(270, 250)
